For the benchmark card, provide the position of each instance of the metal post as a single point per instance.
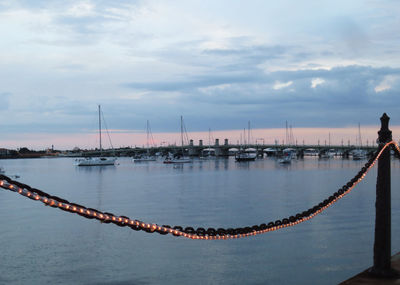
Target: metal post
(382, 246)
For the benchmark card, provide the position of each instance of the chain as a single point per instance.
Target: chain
(189, 232)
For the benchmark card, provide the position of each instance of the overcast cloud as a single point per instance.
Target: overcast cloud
(217, 63)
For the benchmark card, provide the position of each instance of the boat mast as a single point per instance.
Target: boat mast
(244, 138)
(100, 131)
(147, 141)
(287, 134)
(209, 138)
(329, 140)
(248, 135)
(359, 135)
(182, 133)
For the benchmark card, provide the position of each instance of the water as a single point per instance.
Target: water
(43, 245)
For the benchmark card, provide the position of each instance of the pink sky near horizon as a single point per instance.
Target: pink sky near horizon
(121, 138)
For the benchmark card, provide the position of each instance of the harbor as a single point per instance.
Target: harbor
(329, 249)
(218, 197)
(218, 150)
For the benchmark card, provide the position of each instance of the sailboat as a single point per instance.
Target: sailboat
(208, 152)
(247, 154)
(180, 159)
(97, 161)
(146, 157)
(359, 153)
(286, 156)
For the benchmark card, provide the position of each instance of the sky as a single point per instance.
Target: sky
(321, 66)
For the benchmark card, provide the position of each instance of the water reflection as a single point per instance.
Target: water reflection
(208, 193)
(95, 169)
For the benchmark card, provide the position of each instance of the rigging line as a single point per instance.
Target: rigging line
(108, 134)
(151, 137)
(186, 137)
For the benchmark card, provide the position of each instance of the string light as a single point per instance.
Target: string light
(205, 236)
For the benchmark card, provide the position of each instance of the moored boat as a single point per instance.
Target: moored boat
(180, 158)
(96, 161)
(146, 157)
(170, 160)
(359, 154)
(285, 159)
(245, 156)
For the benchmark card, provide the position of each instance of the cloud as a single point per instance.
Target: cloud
(333, 103)
(316, 81)
(217, 66)
(387, 83)
(82, 9)
(279, 85)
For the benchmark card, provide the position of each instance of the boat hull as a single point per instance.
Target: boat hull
(177, 161)
(245, 156)
(96, 161)
(240, 159)
(284, 161)
(144, 159)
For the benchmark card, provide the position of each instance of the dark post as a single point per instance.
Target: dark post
(382, 246)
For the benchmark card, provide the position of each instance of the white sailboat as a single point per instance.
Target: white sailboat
(209, 152)
(359, 153)
(180, 159)
(286, 157)
(246, 154)
(97, 161)
(146, 157)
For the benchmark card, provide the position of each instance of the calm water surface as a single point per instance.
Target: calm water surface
(42, 245)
